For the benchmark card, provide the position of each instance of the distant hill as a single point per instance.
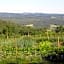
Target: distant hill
(37, 19)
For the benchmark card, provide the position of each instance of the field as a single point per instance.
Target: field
(27, 49)
(30, 45)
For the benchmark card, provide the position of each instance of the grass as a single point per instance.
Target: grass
(25, 49)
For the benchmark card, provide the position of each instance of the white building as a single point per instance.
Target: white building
(53, 26)
(29, 25)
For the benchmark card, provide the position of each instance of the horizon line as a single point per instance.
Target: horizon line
(31, 12)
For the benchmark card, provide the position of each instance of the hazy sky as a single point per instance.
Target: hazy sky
(44, 6)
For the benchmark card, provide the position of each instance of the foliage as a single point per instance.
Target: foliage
(20, 44)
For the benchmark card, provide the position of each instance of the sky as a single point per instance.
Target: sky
(32, 6)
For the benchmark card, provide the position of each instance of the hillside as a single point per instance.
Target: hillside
(38, 19)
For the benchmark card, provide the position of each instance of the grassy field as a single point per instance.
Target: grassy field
(27, 49)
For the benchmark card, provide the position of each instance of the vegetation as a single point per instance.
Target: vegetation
(23, 45)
